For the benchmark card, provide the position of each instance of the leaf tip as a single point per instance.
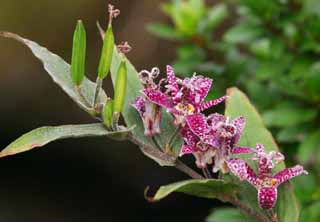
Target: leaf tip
(145, 194)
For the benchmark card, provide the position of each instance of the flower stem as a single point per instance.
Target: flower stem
(156, 143)
(206, 172)
(172, 139)
(96, 94)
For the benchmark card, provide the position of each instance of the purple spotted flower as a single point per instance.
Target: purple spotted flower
(182, 97)
(150, 112)
(265, 182)
(211, 137)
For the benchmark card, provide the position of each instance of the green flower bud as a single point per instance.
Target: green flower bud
(108, 113)
(78, 59)
(106, 53)
(120, 88)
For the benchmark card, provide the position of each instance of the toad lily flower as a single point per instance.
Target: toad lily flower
(213, 136)
(183, 97)
(264, 182)
(150, 112)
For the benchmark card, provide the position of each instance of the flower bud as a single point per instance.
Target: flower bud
(120, 87)
(108, 113)
(78, 54)
(106, 53)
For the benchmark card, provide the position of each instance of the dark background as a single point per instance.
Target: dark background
(84, 179)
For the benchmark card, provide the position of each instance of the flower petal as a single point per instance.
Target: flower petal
(139, 105)
(239, 123)
(242, 150)
(171, 78)
(289, 173)
(185, 149)
(215, 118)
(267, 197)
(188, 136)
(208, 104)
(197, 123)
(242, 170)
(158, 98)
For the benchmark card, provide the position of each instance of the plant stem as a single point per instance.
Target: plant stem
(96, 94)
(156, 143)
(166, 158)
(187, 170)
(236, 202)
(172, 138)
(83, 98)
(206, 172)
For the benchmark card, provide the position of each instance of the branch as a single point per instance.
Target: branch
(165, 158)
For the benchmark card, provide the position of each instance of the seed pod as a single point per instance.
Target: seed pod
(120, 88)
(107, 113)
(106, 53)
(78, 59)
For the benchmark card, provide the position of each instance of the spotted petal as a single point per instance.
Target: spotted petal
(208, 104)
(158, 98)
(186, 149)
(139, 105)
(242, 150)
(239, 123)
(197, 123)
(172, 81)
(215, 118)
(289, 173)
(188, 136)
(242, 170)
(267, 197)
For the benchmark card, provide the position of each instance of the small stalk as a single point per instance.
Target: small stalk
(206, 172)
(172, 140)
(115, 121)
(96, 94)
(82, 97)
(156, 143)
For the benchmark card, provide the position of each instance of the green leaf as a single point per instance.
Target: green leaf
(208, 188)
(132, 117)
(164, 31)
(44, 135)
(59, 71)
(106, 53)
(288, 115)
(309, 149)
(78, 60)
(255, 132)
(242, 33)
(215, 15)
(311, 213)
(226, 215)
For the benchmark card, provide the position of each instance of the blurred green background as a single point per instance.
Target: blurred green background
(268, 48)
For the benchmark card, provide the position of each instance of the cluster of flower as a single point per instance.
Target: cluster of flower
(211, 139)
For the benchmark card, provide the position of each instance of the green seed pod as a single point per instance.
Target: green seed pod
(106, 53)
(78, 59)
(120, 88)
(108, 113)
